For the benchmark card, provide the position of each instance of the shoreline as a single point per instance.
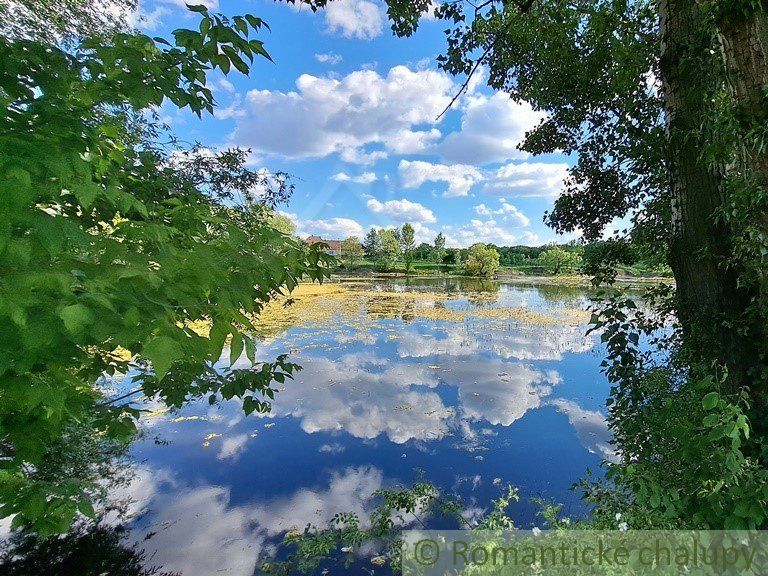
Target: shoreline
(564, 280)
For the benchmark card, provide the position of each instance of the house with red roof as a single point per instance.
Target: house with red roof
(334, 246)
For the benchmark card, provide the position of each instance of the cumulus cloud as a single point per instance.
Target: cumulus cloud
(422, 233)
(330, 58)
(332, 229)
(359, 156)
(492, 127)
(355, 18)
(364, 178)
(485, 231)
(528, 179)
(459, 177)
(401, 210)
(325, 115)
(508, 213)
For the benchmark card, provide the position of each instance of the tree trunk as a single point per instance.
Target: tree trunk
(744, 42)
(707, 291)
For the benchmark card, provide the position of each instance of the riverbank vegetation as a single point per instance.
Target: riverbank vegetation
(386, 251)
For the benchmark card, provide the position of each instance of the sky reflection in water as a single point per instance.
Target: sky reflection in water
(426, 376)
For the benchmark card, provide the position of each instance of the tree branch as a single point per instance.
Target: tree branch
(523, 8)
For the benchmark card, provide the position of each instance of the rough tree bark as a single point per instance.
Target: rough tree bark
(708, 293)
(744, 42)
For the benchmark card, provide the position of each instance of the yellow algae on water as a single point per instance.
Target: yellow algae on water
(188, 418)
(357, 306)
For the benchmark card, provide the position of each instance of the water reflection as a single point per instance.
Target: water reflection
(466, 381)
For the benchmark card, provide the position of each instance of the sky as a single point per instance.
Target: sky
(351, 112)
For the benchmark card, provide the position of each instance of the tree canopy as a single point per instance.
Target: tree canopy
(114, 246)
(482, 260)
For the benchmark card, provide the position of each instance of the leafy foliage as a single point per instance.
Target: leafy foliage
(688, 458)
(372, 244)
(390, 249)
(113, 247)
(351, 250)
(439, 251)
(65, 20)
(482, 260)
(557, 260)
(395, 508)
(408, 245)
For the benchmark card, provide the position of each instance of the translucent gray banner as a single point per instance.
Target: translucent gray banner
(575, 552)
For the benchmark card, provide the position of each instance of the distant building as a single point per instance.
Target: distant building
(334, 246)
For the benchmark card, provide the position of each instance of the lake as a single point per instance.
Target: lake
(469, 384)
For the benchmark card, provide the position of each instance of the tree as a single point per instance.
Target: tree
(439, 248)
(601, 258)
(557, 260)
(113, 246)
(282, 223)
(482, 260)
(372, 245)
(351, 251)
(424, 251)
(457, 257)
(408, 245)
(66, 20)
(390, 249)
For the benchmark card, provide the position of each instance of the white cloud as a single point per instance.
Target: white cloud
(460, 177)
(234, 110)
(232, 447)
(149, 20)
(364, 178)
(528, 179)
(359, 156)
(423, 233)
(210, 4)
(325, 115)
(403, 210)
(413, 141)
(332, 229)
(328, 397)
(330, 58)
(355, 18)
(486, 231)
(491, 129)
(509, 214)
(489, 231)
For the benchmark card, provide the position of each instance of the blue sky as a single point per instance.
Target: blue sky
(350, 111)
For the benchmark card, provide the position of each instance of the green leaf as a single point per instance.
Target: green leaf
(236, 347)
(710, 400)
(162, 351)
(77, 318)
(197, 8)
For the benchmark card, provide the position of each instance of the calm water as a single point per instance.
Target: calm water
(468, 382)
